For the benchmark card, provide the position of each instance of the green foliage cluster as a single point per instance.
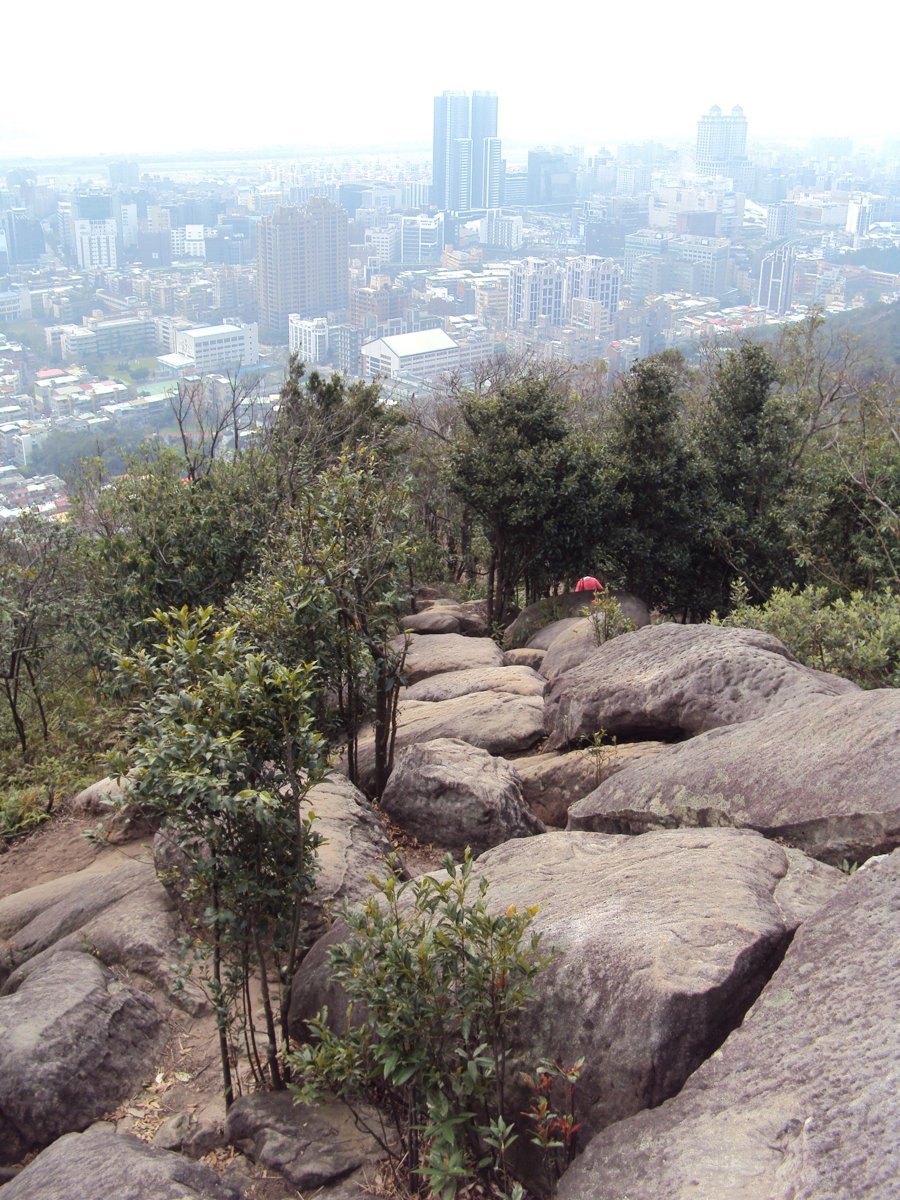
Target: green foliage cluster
(775, 468)
(223, 752)
(857, 637)
(435, 982)
(606, 617)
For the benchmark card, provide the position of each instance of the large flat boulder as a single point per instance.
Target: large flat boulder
(437, 619)
(549, 613)
(824, 776)
(432, 653)
(311, 1146)
(117, 909)
(355, 845)
(570, 648)
(669, 681)
(552, 783)
(518, 681)
(104, 1165)
(526, 658)
(456, 795)
(662, 944)
(499, 722)
(801, 1102)
(74, 1042)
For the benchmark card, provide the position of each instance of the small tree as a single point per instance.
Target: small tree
(332, 586)
(225, 753)
(441, 981)
(516, 463)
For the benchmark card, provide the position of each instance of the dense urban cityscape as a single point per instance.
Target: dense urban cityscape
(122, 282)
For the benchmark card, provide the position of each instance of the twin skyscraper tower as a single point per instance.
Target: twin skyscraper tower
(467, 168)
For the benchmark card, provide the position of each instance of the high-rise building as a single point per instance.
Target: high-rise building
(722, 143)
(95, 243)
(776, 281)
(485, 151)
(537, 293)
(24, 237)
(421, 239)
(781, 220)
(303, 265)
(466, 157)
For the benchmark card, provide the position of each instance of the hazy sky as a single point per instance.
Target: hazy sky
(114, 78)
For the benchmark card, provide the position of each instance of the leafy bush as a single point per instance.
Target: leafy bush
(224, 755)
(607, 619)
(858, 637)
(440, 981)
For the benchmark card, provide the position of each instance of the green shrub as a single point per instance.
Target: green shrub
(606, 618)
(441, 981)
(224, 754)
(858, 637)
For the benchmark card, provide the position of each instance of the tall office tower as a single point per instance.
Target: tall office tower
(492, 174)
(537, 293)
(485, 158)
(722, 143)
(451, 124)
(466, 160)
(776, 281)
(24, 237)
(303, 265)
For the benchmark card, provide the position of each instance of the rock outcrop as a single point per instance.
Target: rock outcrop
(117, 909)
(823, 776)
(518, 681)
(552, 783)
(802, 1100)
(311, 1146)
(74, 1041)
(671, 681)
(661, 945)
(451, 793)
(499, 722)
(432, 653)
(104, 1165)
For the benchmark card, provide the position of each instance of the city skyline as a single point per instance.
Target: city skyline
(359, 85)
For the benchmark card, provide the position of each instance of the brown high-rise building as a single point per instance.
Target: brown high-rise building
(303, 265)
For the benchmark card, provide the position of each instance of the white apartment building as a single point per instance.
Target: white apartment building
(95, 244)
(217, 347)
(308, 337)
(537, 293)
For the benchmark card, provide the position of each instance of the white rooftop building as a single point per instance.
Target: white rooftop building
(422, 355)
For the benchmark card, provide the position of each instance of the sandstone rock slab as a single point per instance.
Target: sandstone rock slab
(552, 783)
(498, 722)
(118, 909)
(824, 776)
(311, 1146)
(527, 627)
(518, 681)
(456, 795)
(103, 1165)
(525, 657)
(433, 620)
(355, 845)
(432, 653)
(668, 681)
(801, 1102)
(663, 942)
(74, 1041)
